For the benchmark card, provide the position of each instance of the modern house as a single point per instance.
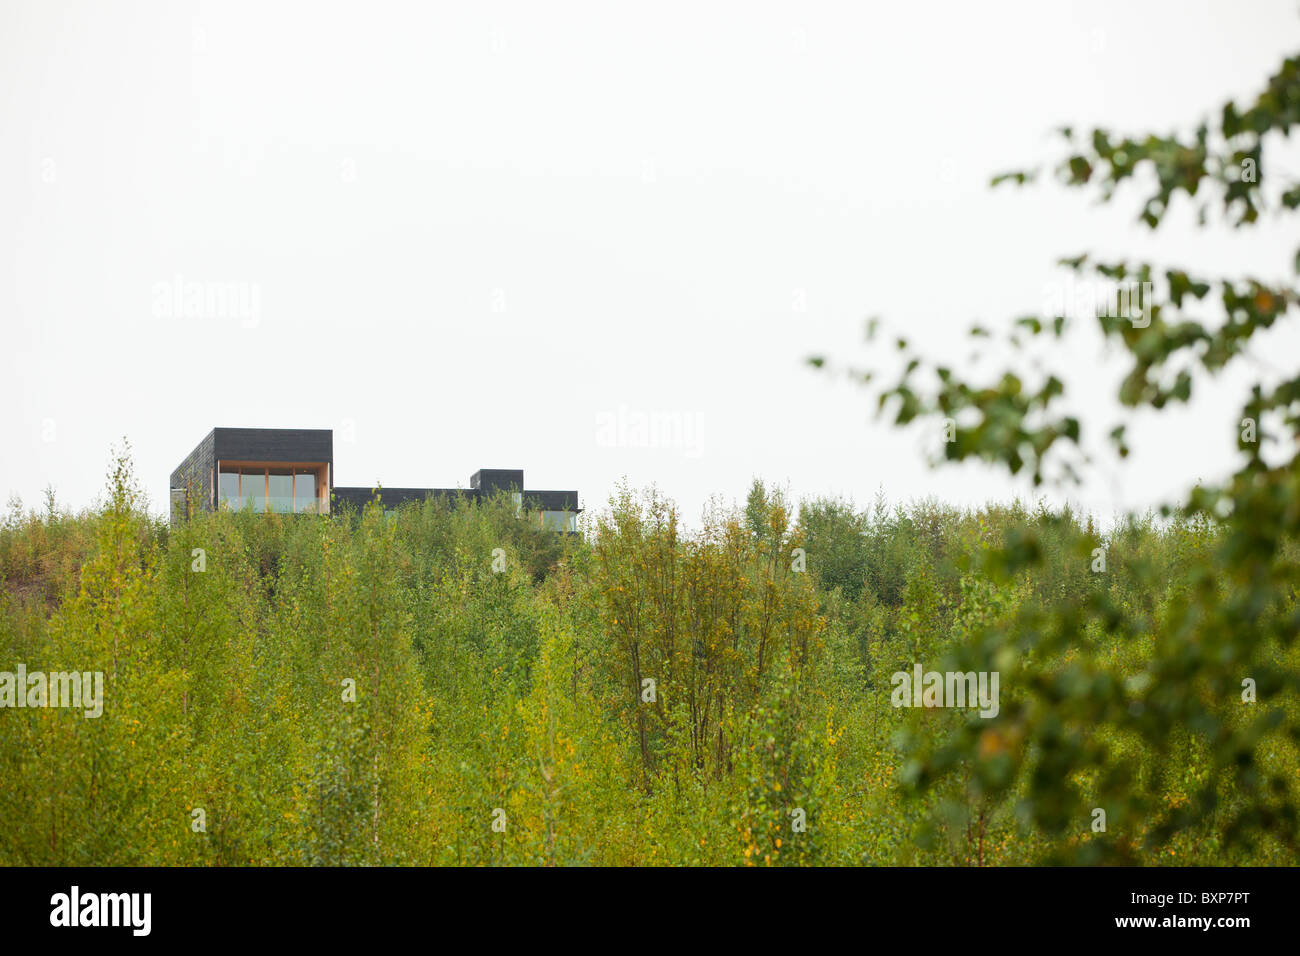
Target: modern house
(292, 470)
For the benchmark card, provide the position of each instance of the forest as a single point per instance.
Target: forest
(448, 684)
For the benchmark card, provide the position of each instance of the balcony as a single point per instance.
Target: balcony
(284, 487)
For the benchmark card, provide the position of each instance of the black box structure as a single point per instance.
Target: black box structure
(292, 470)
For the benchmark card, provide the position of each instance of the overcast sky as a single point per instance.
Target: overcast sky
(517, 231)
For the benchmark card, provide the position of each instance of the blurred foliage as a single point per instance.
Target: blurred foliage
(1131, 699)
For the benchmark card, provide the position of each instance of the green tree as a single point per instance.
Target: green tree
(1089, 728)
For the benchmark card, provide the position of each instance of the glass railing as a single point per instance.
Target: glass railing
(291, 490)
(559, 521)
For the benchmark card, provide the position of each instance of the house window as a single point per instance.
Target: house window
(279, 489)
(306, 493)
(228, 487)
(252, 488)
(283, 488)
(559, 521)
(238, 487)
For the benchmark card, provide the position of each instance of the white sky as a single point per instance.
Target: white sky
(488, 225)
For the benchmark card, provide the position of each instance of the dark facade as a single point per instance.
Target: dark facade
(197, 483)
(292, 470)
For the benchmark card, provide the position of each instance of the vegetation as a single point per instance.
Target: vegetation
(451, 685)
(503, 716)
(1122, 690)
